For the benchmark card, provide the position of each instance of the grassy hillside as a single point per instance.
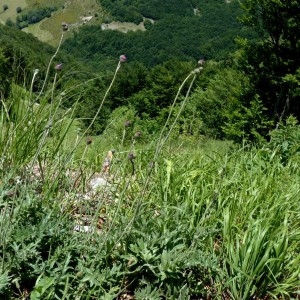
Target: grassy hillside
(48, 30)
(173, 218)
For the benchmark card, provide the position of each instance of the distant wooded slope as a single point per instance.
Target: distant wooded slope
(185, 30)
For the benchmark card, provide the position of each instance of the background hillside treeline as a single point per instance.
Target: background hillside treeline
(135, 10)
(210, 34)
(34, 16)
(245, 89)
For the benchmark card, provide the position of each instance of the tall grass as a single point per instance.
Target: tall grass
(194, 219)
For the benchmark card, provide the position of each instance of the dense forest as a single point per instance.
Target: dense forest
(210, 34)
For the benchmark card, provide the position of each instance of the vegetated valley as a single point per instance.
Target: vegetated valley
(149, 149)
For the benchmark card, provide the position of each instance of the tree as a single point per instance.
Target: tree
(5, 74)
(273, 63)
(9, 23)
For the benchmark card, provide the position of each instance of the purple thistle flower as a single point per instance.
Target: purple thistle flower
(58, 67)
(123, 58)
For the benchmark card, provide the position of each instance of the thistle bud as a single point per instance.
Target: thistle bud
(64, 26)
(131, 156)
(123, 58)
(127, 124)
(88, 140)
(58, 67)
(201, 62)
(137, 135)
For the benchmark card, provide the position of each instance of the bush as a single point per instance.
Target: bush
(18, 9)
(5, 7)
(9, 23)
(285, 140)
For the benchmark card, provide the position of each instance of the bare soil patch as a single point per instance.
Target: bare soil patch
(123, 26)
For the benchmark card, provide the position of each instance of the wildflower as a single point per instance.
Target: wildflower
(123, 58)
(127, 124)
(201, 62)
(64, 26)
(58, 67)
(131, 156)
(138, 134)
(88, 140)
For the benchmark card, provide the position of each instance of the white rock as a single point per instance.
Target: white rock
(98, 182)
(79, 228)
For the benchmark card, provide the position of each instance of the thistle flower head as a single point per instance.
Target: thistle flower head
(64, 26)
(58, 67)
(201, 62)
(131, 156)
(138, 134)
(123, 58)
(127, 124)
(88, 140)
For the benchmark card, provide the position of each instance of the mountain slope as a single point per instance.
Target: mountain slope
(207, 31)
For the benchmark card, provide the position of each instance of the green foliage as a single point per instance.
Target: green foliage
(188, 38)
(285, 140)
(273, 63)
(247, 123)
(34, 16)
(121, 126)
(5, 74)
(219, 103)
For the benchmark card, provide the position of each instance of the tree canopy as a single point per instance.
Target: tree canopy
(273, 63)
